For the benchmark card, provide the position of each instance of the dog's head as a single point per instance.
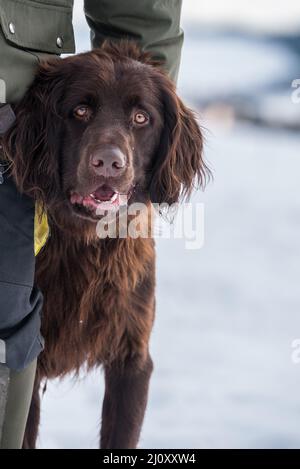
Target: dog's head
(102, 129)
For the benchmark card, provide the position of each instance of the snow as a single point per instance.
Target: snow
(228, 313)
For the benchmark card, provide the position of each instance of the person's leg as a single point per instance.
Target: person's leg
(20, 310)
(15, 397)
(4, 382)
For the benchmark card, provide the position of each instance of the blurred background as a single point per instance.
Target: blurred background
(227, 314)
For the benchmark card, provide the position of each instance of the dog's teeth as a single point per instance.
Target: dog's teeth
(113, 199)
(94, 198)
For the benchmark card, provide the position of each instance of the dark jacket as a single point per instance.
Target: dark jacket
(32, 29)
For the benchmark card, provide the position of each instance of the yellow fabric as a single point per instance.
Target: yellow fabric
(41, 229)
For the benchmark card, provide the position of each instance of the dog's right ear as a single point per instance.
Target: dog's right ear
(31, 143)
(179, 165)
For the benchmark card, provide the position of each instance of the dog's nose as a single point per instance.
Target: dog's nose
(108, 162)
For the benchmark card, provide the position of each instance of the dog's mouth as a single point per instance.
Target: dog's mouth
(97, 203)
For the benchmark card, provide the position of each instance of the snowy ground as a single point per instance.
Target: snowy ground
(227, 313)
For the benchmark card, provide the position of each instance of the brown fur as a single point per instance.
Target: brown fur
(99, 294)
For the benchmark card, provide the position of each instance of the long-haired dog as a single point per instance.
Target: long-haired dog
(92, 131)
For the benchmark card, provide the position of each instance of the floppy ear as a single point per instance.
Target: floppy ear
(32, 142)
(178, 165)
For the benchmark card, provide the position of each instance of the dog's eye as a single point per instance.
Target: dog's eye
(140, 118)
(82, 112)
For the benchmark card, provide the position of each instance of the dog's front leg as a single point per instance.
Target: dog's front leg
(126, 392)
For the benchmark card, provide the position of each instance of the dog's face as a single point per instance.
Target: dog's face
(112, 123)
(104, 129)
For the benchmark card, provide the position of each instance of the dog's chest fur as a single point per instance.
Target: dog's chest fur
(98, 301)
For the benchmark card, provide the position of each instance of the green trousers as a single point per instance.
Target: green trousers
(15, 397)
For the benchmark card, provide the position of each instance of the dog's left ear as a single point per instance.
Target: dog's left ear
(178, 165)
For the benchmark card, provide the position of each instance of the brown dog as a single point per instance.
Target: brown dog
(92, 129)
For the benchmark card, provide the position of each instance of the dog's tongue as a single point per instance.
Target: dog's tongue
(103, 193)
(102, 199)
